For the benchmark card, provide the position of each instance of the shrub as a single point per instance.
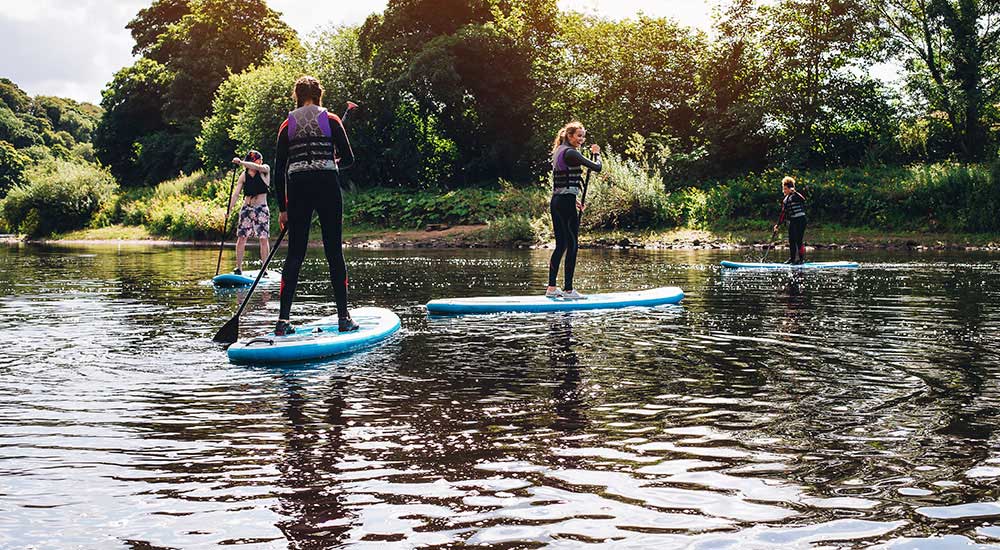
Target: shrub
(185, 218)
(624, 195)
(509, 230)
(409, 209)
(58, 196)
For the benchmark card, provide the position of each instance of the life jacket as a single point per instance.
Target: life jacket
(795, 205)
(310, 140)
(563, 175)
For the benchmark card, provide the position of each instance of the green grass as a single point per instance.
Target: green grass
(109, 233)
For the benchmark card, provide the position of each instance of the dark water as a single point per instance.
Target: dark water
(844, 409)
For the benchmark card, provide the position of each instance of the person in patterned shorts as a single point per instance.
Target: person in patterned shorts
(255, 218)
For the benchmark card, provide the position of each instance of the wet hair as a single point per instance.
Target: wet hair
(254, 156)
(569, 129)
(307, 88)
(789, 182)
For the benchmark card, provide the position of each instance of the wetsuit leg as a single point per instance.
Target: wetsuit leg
(572, 245)
(301, 198)
(330, 208)
(796, 235)
(561, 228)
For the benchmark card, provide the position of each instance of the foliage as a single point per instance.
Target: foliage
(56, 125)
(509, 230)
(189, 207)
(951, 49)
(58, 196)
(622, 78)
(188, 47)
(201, 42)
(12, 167)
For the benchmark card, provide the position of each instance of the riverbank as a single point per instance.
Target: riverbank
(477, 236)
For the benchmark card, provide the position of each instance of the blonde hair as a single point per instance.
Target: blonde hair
(570, 129)
(789, 182)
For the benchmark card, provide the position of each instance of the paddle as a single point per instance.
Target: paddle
(225, 222)
(769, 246)
(230, 332)
(586, 185)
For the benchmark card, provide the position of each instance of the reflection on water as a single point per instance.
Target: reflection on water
(770, 410)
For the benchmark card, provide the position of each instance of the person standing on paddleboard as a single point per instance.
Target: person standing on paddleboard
(793, 209)
(312, 148)
(255, 218)
(567, 187)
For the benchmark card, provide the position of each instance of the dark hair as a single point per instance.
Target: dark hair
(307, 88)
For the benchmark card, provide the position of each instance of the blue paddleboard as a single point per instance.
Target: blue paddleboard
(541, 304)
(317, 340)
(232, 280)
(807, 265)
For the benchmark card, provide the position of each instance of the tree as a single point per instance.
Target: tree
(731, 100)
(817, 51)
(458, 80)
(626, 81)
(133, 121)
(189, 47)
(952, 51)
(203, 46)
(13, 96)
(12, 167)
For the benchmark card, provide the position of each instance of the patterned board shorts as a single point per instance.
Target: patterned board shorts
(255, 221)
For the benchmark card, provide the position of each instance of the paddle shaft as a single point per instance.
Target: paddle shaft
(225, 222)
(263, 269)
(586, 185)
(229, 332)
(770, 245)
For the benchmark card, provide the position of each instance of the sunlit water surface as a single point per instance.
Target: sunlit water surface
(837, 409)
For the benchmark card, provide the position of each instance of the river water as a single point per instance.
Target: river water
(838, 409)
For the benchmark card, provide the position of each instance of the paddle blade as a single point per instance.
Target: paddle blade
(230, 332)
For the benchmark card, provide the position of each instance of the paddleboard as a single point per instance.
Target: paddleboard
(232, 280)
(541, 304)
(807, 265)
(318, 340)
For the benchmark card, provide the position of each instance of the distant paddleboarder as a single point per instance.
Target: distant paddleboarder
(255, 218)
(793, 209)
(567, 188)
(312, 148)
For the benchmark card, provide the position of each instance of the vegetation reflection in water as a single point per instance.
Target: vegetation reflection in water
(769, 410)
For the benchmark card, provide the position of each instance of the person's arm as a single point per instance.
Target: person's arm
(237, 190)
(341, 143)
(281, 167)
(781, 217)
(572, 157)
(262, 168)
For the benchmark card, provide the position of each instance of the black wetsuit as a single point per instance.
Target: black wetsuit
(307, 180)
(567, 178)
(793, 208)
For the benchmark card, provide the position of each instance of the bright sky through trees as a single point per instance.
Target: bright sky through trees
(71, 49)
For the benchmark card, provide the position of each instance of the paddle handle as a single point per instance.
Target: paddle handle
(225, 221)
(263, 269)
